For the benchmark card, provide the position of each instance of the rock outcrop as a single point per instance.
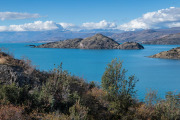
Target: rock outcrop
(171, 54)
(97, 41)
(19, 72)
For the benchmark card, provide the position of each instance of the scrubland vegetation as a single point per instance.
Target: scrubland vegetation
(62, 96)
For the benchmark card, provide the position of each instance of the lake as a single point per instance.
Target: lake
(158, 74)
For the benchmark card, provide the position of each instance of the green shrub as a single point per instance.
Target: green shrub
(151, 98)
(120, 89)
(78, 112)
(61, 90)
(10, 93)
(169, 109)
(156, 109)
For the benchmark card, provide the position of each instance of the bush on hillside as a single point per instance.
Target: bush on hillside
(120, 89)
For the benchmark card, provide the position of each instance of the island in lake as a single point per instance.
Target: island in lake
(171, 54)
(97, 41)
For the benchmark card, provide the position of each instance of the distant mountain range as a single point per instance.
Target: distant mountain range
(57, 35)
(39, 36)
(144, 35)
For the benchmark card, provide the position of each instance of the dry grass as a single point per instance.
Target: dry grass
(3, 60)
(10, 112)
(6, 59)
(99, 95)
(9, 60)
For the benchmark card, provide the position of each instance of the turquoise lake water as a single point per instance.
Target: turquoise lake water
(158, 74)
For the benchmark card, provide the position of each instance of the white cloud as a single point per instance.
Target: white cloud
(67, 25)
(164, 18)
(89, 26)
(36, 26)
(70, 26)
(50, 25)
(174, 24)
(16, 15)
(100, 25)
(169, 17)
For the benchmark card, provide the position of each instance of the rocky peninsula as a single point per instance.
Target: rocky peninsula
(171, 54)
(97, 41)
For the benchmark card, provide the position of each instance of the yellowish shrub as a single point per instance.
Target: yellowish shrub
(10, 112)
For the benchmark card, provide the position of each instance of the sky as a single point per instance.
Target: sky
(75, 15)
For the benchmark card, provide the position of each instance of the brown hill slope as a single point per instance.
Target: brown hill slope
(171, 54)
(172, 39)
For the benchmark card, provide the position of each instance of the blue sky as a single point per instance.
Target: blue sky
(78, 12)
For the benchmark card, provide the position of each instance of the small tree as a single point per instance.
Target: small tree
(168, 109)
(151, 98)
(78, 112)
(120, 89)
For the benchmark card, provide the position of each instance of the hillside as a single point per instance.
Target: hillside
(62, 96)
(143, 35)
(172, 39)
(19, 72)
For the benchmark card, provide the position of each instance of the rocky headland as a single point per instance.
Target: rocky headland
(171, 54)
(97, 41)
